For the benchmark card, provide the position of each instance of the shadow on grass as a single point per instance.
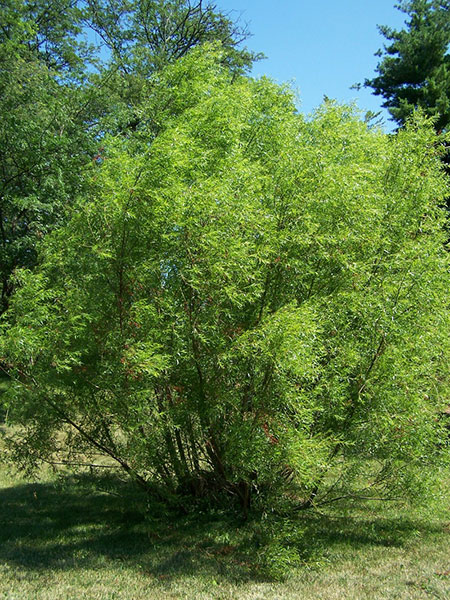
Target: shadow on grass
(71, 525)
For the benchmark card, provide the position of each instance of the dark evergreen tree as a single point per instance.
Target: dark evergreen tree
(415, 66)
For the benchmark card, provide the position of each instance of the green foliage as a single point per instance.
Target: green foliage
(145, 36)
(415, 67)
(58, 98)
(43, 139)
(244, 301)
(140, 38)
(42, 151)
(50, 32)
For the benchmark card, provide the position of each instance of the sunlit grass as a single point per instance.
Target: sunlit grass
(84, 537)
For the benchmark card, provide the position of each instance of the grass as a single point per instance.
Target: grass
(73, 537)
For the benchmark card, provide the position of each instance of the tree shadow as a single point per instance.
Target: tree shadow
(71, 525)
(374, 530)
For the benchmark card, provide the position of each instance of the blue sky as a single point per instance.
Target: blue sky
(322, 46)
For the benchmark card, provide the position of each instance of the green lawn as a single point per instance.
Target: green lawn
(62, 538)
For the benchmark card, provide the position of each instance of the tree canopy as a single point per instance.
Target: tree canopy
(242, 300)
(44, 142)
(415, 67)
(61, 94)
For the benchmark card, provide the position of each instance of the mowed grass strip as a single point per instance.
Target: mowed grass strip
(87, 537)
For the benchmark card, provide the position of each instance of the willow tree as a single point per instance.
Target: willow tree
(246, 301)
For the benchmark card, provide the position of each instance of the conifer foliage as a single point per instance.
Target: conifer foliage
(415, 67)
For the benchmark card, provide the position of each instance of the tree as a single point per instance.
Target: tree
(141, 37)
(250, 303)
(48, 31)
(144, 36)
(43, 139)
(415, 66)
(58, 99)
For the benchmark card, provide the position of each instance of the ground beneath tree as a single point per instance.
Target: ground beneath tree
(74, 538)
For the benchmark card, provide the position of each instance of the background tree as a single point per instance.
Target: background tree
(248, 303)
(143, 36)
(44, 141)
(415, 66)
